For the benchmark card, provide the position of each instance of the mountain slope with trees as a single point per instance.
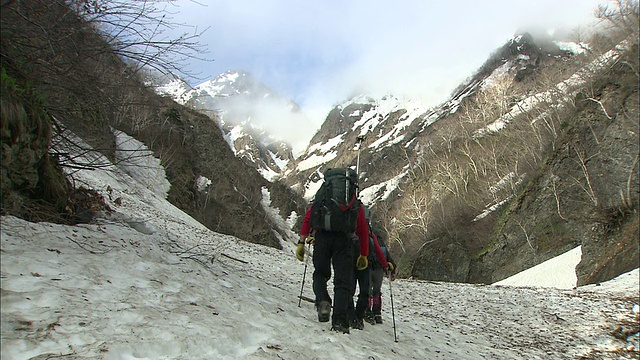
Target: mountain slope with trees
(66, 73)
(534, 155)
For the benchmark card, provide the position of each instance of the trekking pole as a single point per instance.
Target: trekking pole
(306, 263)
(393, 314)
(359, 141)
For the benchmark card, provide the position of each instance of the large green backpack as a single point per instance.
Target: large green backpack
(335, 205)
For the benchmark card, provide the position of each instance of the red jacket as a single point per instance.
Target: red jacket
(362, 230)
(380, 255)
(306, 224)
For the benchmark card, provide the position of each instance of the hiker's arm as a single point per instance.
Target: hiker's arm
(362, 230)
(382, 259)
(389, 258)
(387, 254)
(305, 229)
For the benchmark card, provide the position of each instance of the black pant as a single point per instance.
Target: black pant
(361, 277)
(377, 274)
(333, 248)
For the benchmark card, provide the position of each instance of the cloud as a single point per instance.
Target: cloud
(319, 54)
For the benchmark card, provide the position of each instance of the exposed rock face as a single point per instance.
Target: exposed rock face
(28, 173)
(449, 262)
(245, 109)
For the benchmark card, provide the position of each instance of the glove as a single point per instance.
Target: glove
(362, 263)
(310, 240)
(300, 251)
(391, 268)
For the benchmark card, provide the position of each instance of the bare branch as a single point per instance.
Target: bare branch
(601, 106)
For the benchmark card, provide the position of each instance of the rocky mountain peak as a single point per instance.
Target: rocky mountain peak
(234, 83)
(245, 109)
(521, 44)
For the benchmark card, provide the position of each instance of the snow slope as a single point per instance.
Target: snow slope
(149, 282)
(559, 272)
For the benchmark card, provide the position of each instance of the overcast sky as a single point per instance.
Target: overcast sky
(320, 52)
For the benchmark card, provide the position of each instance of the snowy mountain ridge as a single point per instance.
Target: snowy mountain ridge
(246, 111)
(372, 119)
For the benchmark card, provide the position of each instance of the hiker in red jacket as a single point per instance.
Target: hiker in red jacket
(377, 270)
(362, 280)
(337, 248)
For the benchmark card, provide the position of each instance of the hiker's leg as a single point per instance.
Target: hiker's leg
(343, 276)
(377, 275)
(322, 267)
(351, 311)
(363, 294)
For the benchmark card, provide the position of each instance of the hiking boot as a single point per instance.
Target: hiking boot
(340, 326)
(370, 319)
(378, 319)
(324, 311)
(357, 324)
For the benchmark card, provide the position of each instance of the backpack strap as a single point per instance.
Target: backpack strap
(348, 206)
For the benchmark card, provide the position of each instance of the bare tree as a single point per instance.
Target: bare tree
(141, 31)
(620, 18)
